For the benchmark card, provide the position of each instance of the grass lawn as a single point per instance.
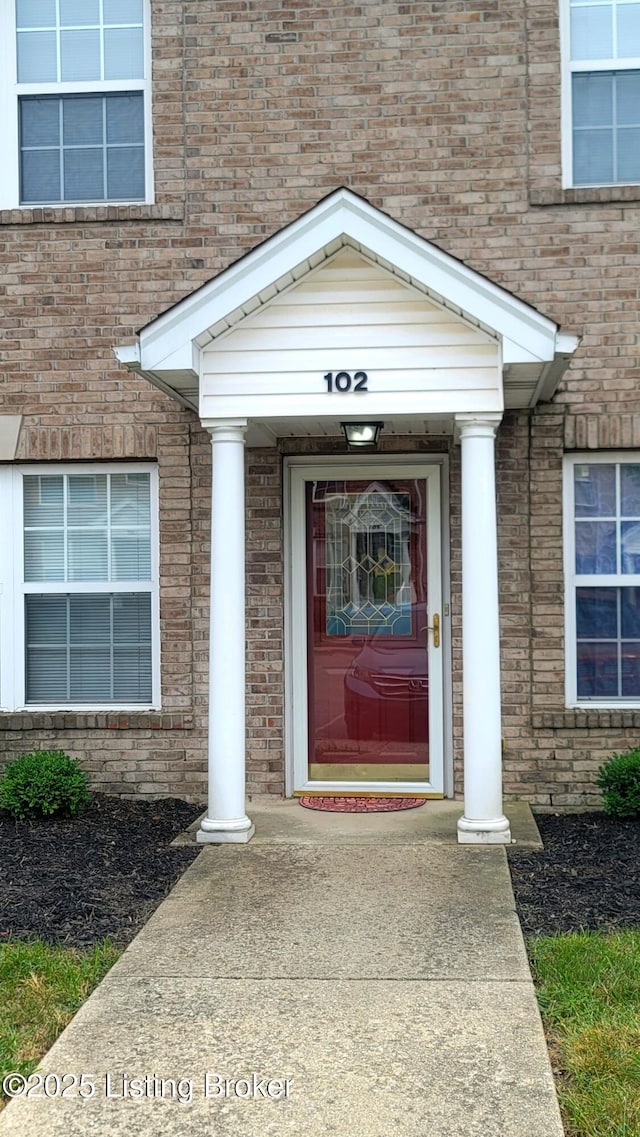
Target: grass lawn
(41, 988)
(588, 987)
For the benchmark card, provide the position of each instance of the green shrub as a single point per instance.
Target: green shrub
(43, 782)
(619, 780)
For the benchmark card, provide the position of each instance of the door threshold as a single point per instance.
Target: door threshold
(336, 791)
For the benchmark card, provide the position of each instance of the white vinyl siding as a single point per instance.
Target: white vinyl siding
(80, 594)
(351, 315)
(602, 579)
(601, 92)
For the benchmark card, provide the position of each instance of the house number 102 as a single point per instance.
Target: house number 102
(344, 381)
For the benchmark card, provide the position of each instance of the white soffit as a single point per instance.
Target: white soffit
(168, 348)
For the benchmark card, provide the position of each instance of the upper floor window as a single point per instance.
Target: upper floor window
(601, 92)
(602, 576)
(76, 102)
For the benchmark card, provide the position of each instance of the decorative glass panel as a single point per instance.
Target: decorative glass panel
(368, 565)
(367, 626)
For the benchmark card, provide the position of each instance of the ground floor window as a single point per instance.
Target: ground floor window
(78, 579)
(602, 572)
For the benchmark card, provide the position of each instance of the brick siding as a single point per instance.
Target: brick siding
(446, 116)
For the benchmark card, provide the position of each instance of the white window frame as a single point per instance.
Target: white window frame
(13, 587)
(569, 68)
(574, 580)
(11, 91)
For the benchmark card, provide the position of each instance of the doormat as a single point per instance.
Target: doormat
(335, 804)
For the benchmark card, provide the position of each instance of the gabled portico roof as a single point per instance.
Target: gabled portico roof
(534, 352)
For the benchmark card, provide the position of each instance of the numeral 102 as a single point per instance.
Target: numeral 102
(343, 381)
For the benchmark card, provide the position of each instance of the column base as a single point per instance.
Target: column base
(212, 832)
(494, 832)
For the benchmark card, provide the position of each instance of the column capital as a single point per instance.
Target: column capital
(477, 425)
(226, 429)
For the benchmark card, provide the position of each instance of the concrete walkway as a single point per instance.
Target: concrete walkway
(366, 969)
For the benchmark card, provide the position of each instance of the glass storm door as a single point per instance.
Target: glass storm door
(373, 630)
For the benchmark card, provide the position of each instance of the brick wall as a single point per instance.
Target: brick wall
(444, 114)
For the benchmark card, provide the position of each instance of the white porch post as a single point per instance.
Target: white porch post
(226, 820)
(483, 820)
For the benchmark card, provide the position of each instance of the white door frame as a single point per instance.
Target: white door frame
(297, 472)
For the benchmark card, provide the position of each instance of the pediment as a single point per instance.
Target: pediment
(170, 349)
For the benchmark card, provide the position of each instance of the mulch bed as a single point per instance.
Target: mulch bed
(74, 882)
(77, 881)
(586, 878)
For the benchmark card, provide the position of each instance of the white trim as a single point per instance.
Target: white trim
(566, 113)
(14, 588)
(569, 67)
(167, 344)
(573, 580)
(7, 669)
(11, 91)
(297, 472)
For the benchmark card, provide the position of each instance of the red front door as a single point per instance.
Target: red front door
(368, 676)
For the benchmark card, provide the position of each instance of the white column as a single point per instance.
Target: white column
(226, 820)
(483, 820)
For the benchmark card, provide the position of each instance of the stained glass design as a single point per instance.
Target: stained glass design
(368, 678)
(367, 538)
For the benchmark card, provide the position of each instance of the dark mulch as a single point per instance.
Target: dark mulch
(586, 878)
(76, 881)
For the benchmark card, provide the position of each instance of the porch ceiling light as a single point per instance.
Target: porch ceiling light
(361, 434)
